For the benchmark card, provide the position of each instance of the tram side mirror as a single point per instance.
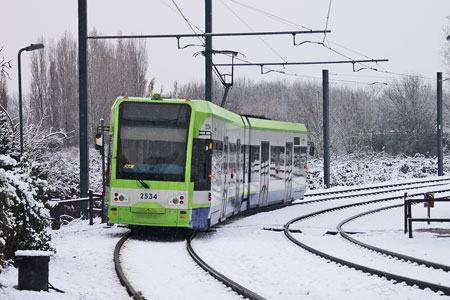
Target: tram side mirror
(99, 142)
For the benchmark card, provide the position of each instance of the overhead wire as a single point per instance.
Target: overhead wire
(377, 76)
(379, 68)
(326, 24)
(296, 25)
(251, 29)
(269, 70)
(282, 20)
(191, 25)
(195, 29)
(181, 14)
(188, 22)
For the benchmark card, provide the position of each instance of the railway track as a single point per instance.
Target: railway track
(380, 186)
(241, 290)
(412, 262)
(372, 190)
(155, 267)
(120, 273)
(382, 251)
(396, 192)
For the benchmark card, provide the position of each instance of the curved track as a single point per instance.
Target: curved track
(375, 187)
(392, 254)
(123, 279)
(398, 278)
(377, 190)
(373, 190)
(222, 278)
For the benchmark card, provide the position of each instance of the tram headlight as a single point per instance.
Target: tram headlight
(176, 200)
(119, 197)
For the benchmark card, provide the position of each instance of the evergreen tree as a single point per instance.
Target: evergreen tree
(24, 200)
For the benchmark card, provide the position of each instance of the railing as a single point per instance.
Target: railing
(56, 211)
(428, 203)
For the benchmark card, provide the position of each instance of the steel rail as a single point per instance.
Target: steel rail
(123, 279)
(372, 192)
(403, 257)
(222, 278)
(389, 276)
(228, 282)
(356, 189)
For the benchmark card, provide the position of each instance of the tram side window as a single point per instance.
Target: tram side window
(240, 161)
(232, 159)
(226, 152)
(246, 160)
(255, 163)
(274, 162)
(299, 161)
(217, 162)
(201, 162)
(277, 162)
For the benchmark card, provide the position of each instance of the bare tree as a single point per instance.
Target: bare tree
(446, 52)
(354, 118)
(114, 70)
(410, 114)
(4, 65)
(3, 92)
(39, 96)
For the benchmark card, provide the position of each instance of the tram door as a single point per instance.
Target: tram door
(225, 177)
(288, 173)
(264, 186)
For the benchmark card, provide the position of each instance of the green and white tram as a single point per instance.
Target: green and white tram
(191, 163)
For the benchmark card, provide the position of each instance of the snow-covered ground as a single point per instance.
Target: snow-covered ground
(82, 266)
(264, 261)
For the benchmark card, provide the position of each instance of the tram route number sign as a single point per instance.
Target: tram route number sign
(429, 197)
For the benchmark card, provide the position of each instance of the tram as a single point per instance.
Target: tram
(193, 164)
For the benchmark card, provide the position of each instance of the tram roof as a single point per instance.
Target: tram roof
(224, 114)
(255, 123)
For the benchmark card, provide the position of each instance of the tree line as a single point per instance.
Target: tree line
(398, 118)
(114, 69)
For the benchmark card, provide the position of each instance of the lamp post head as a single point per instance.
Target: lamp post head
(34, 47)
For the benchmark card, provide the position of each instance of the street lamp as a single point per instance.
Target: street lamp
(29, 48)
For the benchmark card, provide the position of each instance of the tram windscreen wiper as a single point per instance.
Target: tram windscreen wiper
(142, 182)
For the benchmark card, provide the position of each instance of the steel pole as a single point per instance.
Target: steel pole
(102, 124)
(19, 66)
(83, 97)
(439, 125)
(208, 52)
(326, 130)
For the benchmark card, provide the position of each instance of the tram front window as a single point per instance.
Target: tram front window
(152, 141)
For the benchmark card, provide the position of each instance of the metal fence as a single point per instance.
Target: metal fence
(58, 203)
(428, 201)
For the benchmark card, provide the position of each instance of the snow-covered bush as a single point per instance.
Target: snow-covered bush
(362, 168)
(24, 195)
(62, 169)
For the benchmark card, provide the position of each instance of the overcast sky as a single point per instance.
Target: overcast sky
(410, 33)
